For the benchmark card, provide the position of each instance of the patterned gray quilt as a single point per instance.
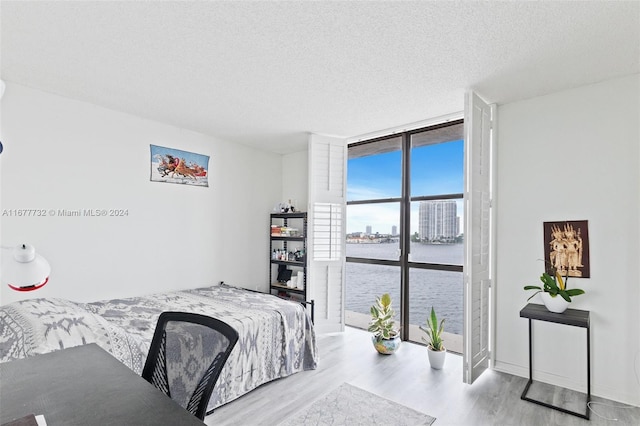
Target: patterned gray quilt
(276, 336)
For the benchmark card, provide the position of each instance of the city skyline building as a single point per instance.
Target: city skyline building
(438, 221)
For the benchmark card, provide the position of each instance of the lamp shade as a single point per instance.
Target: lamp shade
(23, 269)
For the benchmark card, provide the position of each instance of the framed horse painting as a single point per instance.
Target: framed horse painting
(175, 166)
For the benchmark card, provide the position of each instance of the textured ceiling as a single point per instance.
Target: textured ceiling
(267, 73)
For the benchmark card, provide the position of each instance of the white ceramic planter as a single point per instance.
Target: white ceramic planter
(436, 358)
(554, 304)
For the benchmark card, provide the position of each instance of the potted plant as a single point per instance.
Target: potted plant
(385, 337)
(553, 286)
(435, 348)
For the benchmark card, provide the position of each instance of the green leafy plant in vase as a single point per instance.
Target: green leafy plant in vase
(385, 337)
(435, 348)
(554, 292)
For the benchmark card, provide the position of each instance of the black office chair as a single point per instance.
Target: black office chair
(186, 357)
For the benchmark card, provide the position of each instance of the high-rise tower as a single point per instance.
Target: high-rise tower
(438, 221)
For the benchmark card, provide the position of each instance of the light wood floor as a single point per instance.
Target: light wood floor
(405, 377)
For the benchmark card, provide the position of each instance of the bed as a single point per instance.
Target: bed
(277, 338)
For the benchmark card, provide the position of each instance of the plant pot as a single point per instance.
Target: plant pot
(386, 346)
(554, 304)
(436, 358)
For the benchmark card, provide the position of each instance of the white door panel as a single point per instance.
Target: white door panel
(326, 260)
(478, 234)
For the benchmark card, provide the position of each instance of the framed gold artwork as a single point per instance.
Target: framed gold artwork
(566, 247)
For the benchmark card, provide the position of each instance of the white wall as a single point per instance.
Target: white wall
(295, 179)
(572, 155)
(65, 154)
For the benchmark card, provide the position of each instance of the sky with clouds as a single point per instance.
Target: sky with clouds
(435, 169)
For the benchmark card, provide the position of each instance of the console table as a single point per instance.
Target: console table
(572, 317)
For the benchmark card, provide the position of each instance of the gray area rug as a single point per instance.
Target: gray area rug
(350, 405)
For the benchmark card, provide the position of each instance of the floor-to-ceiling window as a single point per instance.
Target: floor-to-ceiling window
(404, 235)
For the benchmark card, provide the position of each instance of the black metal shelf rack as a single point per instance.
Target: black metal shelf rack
(286, 242)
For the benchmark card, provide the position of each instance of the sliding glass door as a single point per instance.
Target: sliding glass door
(374, 196)
(436, 249)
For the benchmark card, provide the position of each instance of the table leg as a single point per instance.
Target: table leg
(530, 353)
(588, 414)
(526, 388)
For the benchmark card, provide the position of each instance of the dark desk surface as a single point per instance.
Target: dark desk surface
(574, 317)
(84, 386)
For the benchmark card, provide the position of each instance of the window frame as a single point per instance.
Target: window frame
(405, 201)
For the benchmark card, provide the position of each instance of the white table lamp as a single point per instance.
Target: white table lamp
(23, 269)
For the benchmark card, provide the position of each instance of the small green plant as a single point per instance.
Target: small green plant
(434, 332)
(553, 284)
(382, 322)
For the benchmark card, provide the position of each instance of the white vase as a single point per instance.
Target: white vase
(436, 358)
(300, 281)
(554, 303)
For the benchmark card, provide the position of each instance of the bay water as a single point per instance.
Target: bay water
(440, 289)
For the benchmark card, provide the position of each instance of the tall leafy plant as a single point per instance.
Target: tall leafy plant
(382, 323)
